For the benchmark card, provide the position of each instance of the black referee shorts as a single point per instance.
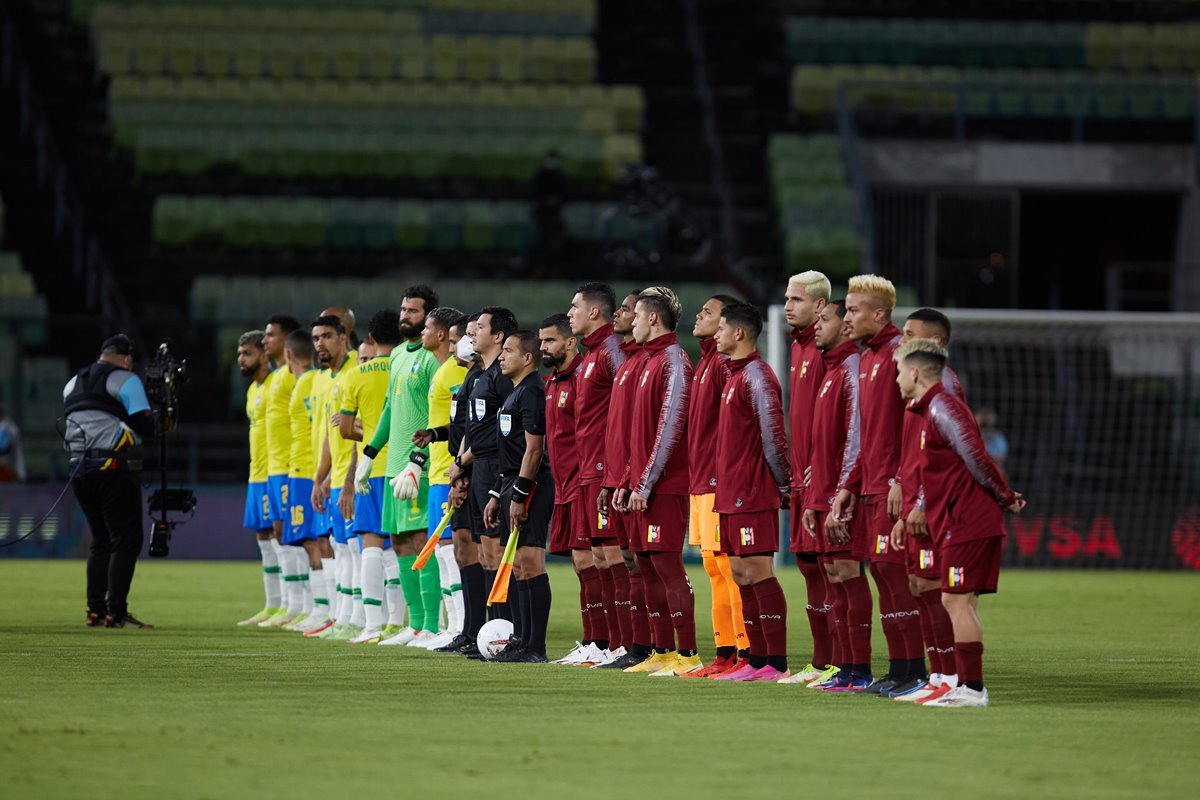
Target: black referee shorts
(535, 532)
(483, 477)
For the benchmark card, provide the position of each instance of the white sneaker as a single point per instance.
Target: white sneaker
(403, 637)
(422, 639)
(440, 640)
(961, 697)
(935, 681)
(573, 657)
(609, 656)
(369, 636)
(593, 655)
(311, 622)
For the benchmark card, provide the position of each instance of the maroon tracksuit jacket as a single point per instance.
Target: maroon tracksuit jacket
(882, 410)
(752, 450)
(961, 486)
(708, 381)
(909, 475)
(806, 376)
(658, 453)
(593, 385)
(560, 432)
(620, 406)
(836, 427)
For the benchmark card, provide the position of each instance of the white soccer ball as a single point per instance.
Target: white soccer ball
(493, 637)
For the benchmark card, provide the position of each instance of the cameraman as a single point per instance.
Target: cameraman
(108, 416)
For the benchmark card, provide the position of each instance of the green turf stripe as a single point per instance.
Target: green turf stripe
(371, 601)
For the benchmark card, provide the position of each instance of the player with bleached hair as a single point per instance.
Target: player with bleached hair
(963, 494)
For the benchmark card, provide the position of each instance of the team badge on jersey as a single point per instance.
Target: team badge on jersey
(645, 377)
(653, 534)
(416, 366)
(747, 535)
(729, 395)
(922, 440)
(825, 388)
(704, 376)
(601, 521)
(881, 545)
(562, 398)
(956, 577)
(587, 373)
(925, 559)
(804, 369)
(505, 424)
(875, 370)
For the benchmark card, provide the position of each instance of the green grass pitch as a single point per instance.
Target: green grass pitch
(1092, 676)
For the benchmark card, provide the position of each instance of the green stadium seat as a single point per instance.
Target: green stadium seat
(479, 226)
(445, 226)
(411, 225)
(174, 224)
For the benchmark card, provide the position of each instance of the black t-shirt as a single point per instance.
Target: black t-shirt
(487, 393)
(524, 411)
(458, 409)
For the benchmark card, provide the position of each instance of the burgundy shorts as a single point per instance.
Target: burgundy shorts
(662, 527)
(853, 550)
(600, 528)
(873, 510)
(800, 541)
(623, 525)
(568, 529)
(971, 567)
(752, 534)
(923, 558)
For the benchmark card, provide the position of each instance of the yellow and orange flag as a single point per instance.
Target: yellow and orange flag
(432, 543)
(499, 592)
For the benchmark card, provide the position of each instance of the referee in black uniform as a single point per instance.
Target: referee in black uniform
(107, 417)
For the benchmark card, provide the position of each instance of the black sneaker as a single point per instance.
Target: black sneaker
(125, 620)
(881, 686)
(627, 660)
(471, 651)
(95, 619)
(457, 643)
(906, 686)
(528, 656)
(512, 652)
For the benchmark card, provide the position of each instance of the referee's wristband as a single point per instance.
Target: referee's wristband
(370, 452)
(523, 487)
(494, 493)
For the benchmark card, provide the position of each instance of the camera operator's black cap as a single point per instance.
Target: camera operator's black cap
(119, 344)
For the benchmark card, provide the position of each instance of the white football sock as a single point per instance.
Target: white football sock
(395, 597)
(452, 597)
(306, 595)
(329, 568)
(291, 577)
(279, 558)
(320, 602)
(372, 587)
(271, 571)
(357, 617)
(345, 569)
(950, 680)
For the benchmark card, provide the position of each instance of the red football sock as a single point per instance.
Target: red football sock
(858, 619)
(887, 616)
(620, 574)
(772, 613)
(931, 651)
(658, 610)
(840, 655)
(969, 656)
(818, 613)
(637, 610)
(750, 612)
(943, 630)
(593, 606)
(611, 631)
(680, 597)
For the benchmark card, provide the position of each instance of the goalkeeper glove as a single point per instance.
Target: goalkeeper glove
(407, 484)
(362, 474)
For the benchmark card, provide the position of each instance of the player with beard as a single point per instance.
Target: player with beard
(708, 384)
(590, 315)
(333, 477)
(480, 451)
(753, 482)
(568, 529)
(406, 506)
(253, 364)
(872, 491)
(655, 489)
(807, 293)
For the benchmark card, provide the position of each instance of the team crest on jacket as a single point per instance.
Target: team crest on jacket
(645, 377)
(825, 388)
(729, 395)
(875, 370)
(804, 368)
(704, 375)
(562, 398)
(587, 373)
(922, 440)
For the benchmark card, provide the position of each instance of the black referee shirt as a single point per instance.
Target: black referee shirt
(487, 394)
(524, 411)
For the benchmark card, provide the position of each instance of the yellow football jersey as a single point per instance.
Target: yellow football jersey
(279, 421)
(340, 449)
(318, 421)
(446, 381)
(366, 387)
(256, 414)
(301, 463)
